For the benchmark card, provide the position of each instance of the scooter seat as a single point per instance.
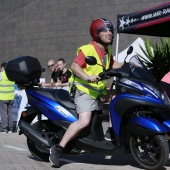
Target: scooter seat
(60, 95)
(63, 97)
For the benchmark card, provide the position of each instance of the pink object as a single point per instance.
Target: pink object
(166, 78)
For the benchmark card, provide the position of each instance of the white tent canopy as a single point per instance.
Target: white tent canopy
(136, 50)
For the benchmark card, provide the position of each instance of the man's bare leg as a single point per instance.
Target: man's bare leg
(73, 130)
(76, 127)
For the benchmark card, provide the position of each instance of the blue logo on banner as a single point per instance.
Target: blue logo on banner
(17, 103)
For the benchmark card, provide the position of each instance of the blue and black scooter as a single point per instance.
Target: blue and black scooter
(140, 114)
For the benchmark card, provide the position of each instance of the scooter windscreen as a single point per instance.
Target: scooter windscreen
(139, 70)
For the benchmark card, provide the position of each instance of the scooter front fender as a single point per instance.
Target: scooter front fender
(145, 126)
(167, 125)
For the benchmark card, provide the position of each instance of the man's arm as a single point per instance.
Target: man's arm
(78, 71)
(46, 84)
(117, 64)
(59, 84)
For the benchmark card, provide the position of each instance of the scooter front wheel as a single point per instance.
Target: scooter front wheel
(151, 152)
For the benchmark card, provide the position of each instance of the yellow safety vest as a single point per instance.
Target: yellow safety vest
(93, 89)
(6, 88)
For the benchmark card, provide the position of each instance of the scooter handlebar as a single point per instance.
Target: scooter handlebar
(109, 73)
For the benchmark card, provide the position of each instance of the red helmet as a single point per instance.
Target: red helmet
(99, 25)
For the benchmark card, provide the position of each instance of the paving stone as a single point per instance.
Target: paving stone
(14, 155)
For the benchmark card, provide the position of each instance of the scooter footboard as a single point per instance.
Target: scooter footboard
(145, 126)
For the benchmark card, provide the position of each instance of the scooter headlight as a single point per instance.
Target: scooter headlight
(157, 94)
(165, 98)
(152, 90)
(131, 83)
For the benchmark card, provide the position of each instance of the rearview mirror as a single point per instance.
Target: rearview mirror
(130, 49)
(90, 60)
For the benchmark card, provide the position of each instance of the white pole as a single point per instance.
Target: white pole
(117, 46)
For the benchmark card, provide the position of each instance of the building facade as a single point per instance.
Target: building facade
(52, 29)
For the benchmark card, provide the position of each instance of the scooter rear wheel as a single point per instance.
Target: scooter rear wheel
(37, 152)
(151, 152)
(40, 154)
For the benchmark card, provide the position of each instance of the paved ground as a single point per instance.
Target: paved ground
(14, 155)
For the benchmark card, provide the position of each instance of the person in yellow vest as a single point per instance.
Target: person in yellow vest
(88, 91)
(6, 101)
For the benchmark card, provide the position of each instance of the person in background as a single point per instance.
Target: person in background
(54, 75)
(89, 92)
(64, 75)
(6, 101)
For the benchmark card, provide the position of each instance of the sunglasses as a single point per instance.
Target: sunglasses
(51, 65)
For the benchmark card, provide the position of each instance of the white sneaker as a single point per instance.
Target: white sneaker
(9, 131)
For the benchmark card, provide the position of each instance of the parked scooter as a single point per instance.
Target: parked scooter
(140, 114)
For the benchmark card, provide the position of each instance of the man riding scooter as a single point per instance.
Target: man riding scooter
(88, 91)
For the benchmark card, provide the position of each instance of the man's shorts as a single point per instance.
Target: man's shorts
(85, 103)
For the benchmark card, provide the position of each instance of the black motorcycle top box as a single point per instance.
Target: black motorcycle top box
(23, 70)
